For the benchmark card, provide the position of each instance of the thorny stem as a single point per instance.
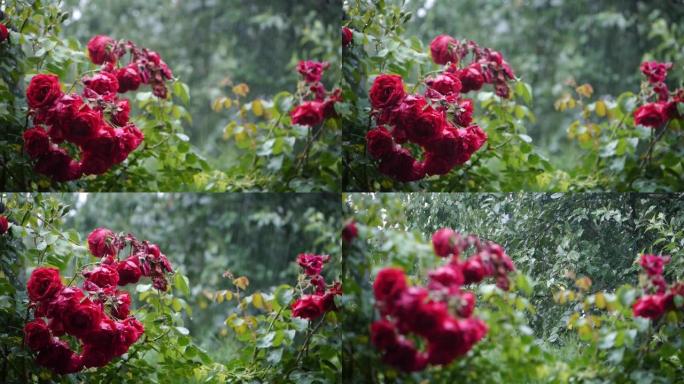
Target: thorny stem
(654, 140)
(305, 345)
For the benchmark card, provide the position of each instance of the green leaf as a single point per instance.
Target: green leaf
(181, 283)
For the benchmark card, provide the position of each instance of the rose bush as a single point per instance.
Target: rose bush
(82, 134)
(627, 142)
(109, 308)
(290, 141)
(614, 334)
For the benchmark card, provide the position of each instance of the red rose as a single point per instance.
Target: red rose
(100, 49)
(446, 277)
(120, 112)
(426, 318)
(445, 83)
(443, 50)
(4, 224)
(312, 264)
(405, 115)
(655, 71)
(347, 36)
(101, 242)
(455, 338)
(329, 103)
(129, 270)
(67, 298)
(474, 270)
(129, 78)
(106, 336)
(42, 91)
(132, 331)
(444, 242)
(309, 113)
(427, 126)
(474, 138)
(102, 276)
(129, 138)
(327, 301)
(349, 232)
(404, 356)
(37, 335)
(464, 112)
(58, 357)
(84, 126)
(307, 307)
(649, 306)
(312, 70)
(379, 142)
(61, 113)
(405, 306)
(654, 264)
(435, 165)
(386, 91)
(389, 283)
(4, 33)
(102, 152)
(95, 357)
(121, 305)
(36, 142)
(57, 164)
(471, 78)
(43, 284)
(101, 84)
(676, 290)
(401, 165)
(467, 304)
(82, 318)
(383, 334)
(651, 115)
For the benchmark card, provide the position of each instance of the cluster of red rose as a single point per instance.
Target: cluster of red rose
(95, 122)
(4, 33)
(349, 232)
(440, 120)
(440, 314)
(97, 314)
(322, 299)
(347, 36)
(4, 224)
(659, 297)
(657, 113)
(322, 103)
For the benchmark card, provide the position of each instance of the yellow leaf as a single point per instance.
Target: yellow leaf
(241, 89)
(228, 130)
(600, 300)
(585, 90)
(241, 282)
(217, 105)
(219, 297)
(228, 295)
(572, 129)
(600, 107)
(257, 108)
(227, 103)
(583, 283)
(258, 301)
